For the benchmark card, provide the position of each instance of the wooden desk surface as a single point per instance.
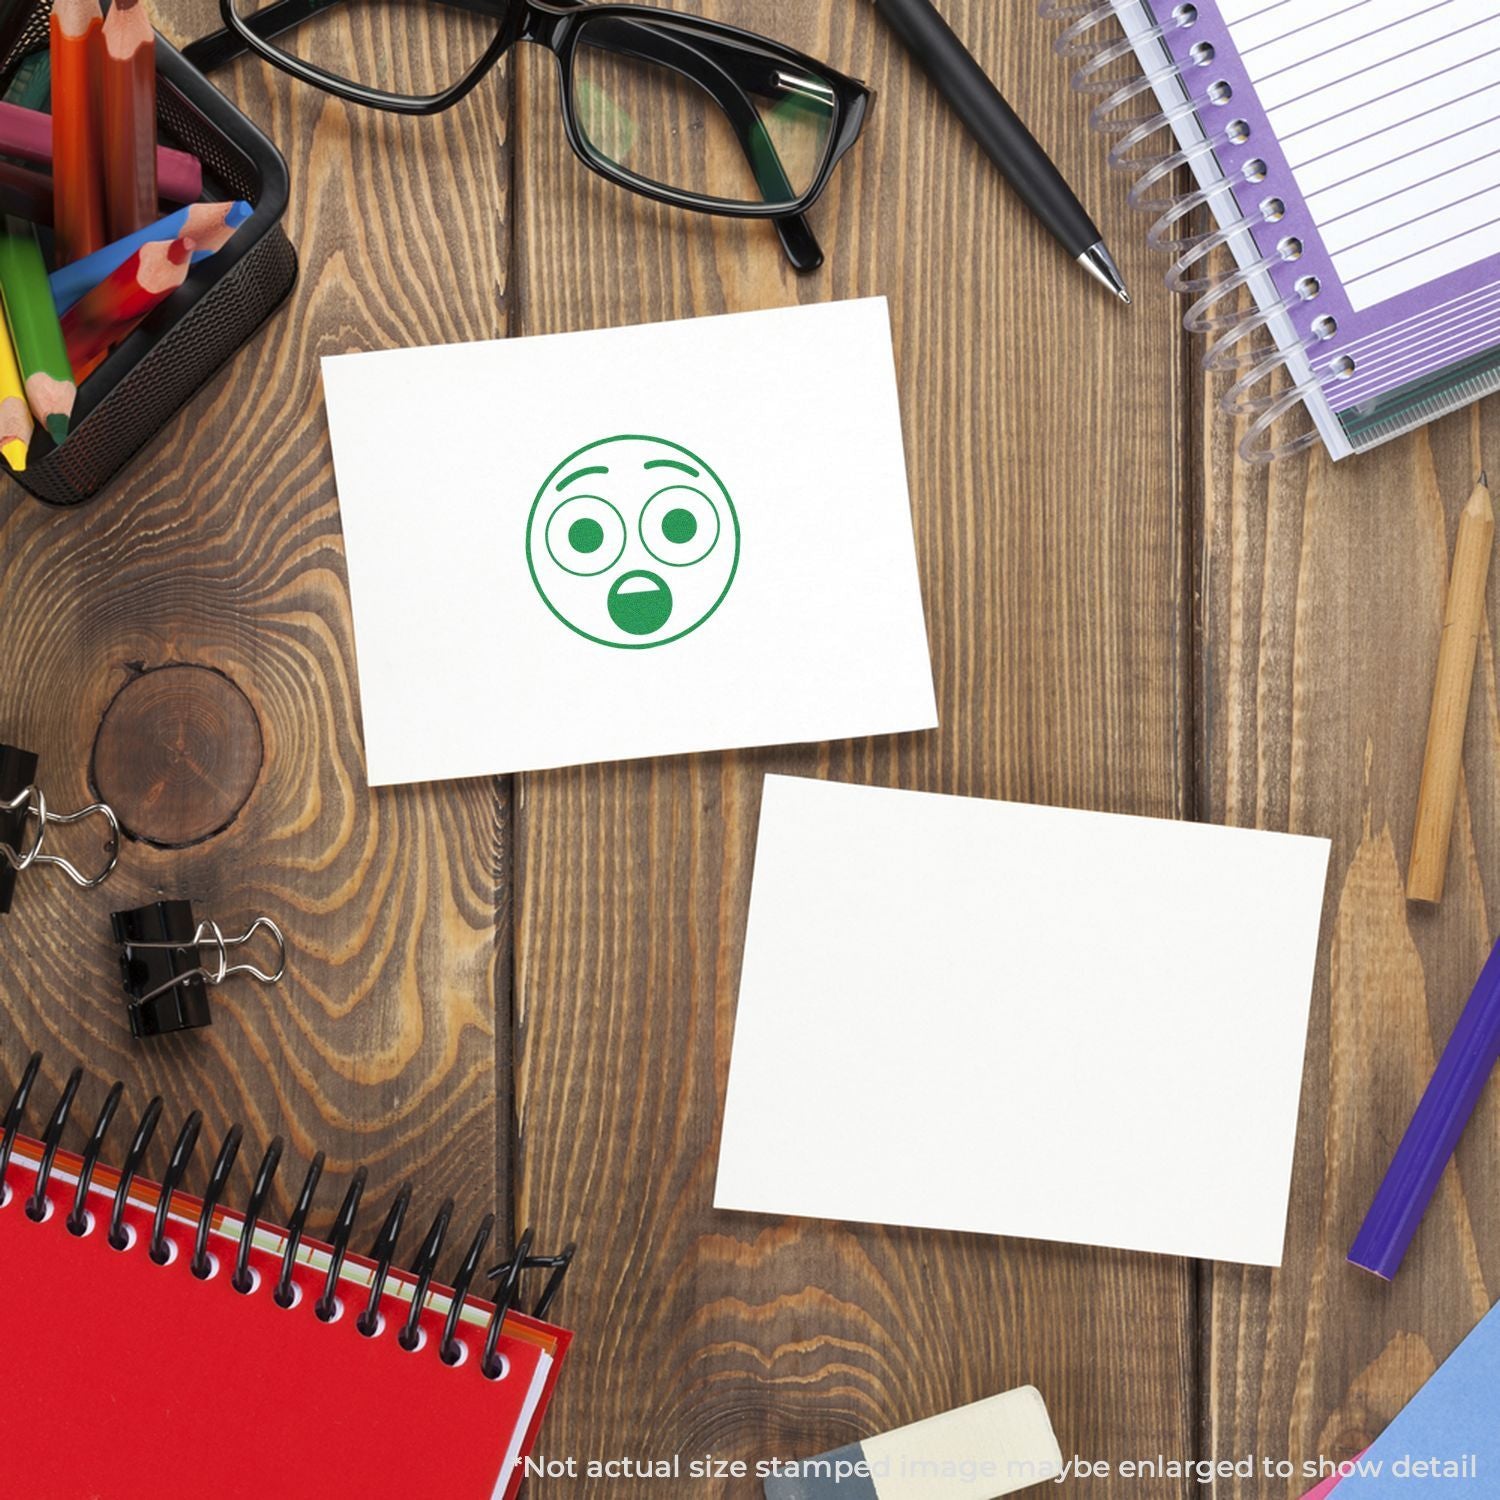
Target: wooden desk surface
(521, 991)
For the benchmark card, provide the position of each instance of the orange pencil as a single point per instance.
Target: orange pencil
(128, 119)
(78, 183)
(99, 320)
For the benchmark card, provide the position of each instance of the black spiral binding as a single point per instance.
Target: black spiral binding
(78, 1216)
(182, 1154)
(285, 1293)
(343, 1226)
(202, 1265)
(369, 1323)
(36, 1209)
(118, 1239)
(242, 1280)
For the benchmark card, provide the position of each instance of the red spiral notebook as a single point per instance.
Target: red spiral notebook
(125, 1378)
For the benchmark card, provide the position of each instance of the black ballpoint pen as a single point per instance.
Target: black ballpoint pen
(998, 129)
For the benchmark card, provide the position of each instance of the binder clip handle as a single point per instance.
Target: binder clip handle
(223, 969)
(29, 807)
(220, 969)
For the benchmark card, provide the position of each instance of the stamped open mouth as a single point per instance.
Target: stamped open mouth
(640, 603)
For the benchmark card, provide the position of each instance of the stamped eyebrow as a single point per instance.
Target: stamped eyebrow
(671, 463)
(582, 474)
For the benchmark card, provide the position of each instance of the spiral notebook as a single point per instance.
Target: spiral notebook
(139, 1380)
(1349, 152)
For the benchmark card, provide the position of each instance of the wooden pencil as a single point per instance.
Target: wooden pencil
(34, 328)
(28, 195)
(26, 135)
(128, 92)
(25, 193)
(78, 181)
(16, 425)
(1462, 621)
(208, 225)
(99, 320)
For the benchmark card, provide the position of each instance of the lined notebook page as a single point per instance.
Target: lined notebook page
(1389, 114)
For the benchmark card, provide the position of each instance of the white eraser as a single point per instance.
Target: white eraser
(978, 1452)
(1007, 1439)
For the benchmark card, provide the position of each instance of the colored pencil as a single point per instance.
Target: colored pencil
(128, 119)
(16, 425)
(77, 174)
(26, 134)
(1463, 620)
(25, 193)
(1433, 1135)
(34, 328)
(208, 225)
(98, 321)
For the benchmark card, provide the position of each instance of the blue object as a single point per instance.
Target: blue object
(1446, 1441)
(1435, 1129)
(74, 281)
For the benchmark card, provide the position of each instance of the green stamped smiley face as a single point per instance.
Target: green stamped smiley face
(633, 542)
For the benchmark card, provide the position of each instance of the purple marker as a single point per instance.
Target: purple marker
(1433, 1135)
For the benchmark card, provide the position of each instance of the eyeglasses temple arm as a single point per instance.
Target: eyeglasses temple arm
(798, 241)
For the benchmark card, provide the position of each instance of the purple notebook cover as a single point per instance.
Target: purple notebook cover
(1416, 333)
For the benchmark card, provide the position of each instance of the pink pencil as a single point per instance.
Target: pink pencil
(26, 134)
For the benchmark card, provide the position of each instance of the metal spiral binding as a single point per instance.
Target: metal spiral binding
(1119, 114)
(370, 1323)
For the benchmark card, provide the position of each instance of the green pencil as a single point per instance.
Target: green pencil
(34, 328)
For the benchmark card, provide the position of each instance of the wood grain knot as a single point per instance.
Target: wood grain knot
(178, 753)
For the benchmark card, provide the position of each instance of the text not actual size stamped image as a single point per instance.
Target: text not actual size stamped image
(641, 541)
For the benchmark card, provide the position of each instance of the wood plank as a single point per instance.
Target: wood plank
(1322, 607)
(1049, 490)
(222, 550)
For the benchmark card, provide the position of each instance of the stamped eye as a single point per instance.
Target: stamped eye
(586, 535)
(679, 526)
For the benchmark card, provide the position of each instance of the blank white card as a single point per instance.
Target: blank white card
(1017, 1020)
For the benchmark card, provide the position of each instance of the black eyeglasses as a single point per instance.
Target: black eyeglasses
(679, 109)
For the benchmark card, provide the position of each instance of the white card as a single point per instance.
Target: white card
(639, 541)
(984, 1016)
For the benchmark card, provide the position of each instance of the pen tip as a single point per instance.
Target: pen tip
(1098, 262)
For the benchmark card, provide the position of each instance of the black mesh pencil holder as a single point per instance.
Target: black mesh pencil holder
(167, 360)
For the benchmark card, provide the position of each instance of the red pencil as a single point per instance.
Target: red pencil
(128, 120)
(99, 320)
(76, 169)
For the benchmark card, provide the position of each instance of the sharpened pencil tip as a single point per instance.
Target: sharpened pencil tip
(57, 427)
(1484, 478)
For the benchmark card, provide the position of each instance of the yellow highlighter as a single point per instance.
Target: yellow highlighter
(15, 415)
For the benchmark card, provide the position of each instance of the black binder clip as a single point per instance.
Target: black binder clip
(166, 977)
(25, 820)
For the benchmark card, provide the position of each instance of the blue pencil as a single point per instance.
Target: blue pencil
(210, 224)
(1433, 1135)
